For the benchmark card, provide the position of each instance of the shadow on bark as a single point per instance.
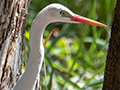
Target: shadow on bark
(112, 69)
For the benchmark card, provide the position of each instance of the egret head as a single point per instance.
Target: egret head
(59, 13)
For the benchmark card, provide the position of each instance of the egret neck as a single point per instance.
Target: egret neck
(36, 54)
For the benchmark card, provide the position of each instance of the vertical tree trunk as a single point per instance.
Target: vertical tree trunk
(112, 69)
(12, 28)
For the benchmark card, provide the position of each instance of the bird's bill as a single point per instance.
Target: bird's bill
(81, 19)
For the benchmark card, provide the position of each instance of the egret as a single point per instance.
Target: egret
(51, 13)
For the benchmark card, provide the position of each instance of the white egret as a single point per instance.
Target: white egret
(51, 13)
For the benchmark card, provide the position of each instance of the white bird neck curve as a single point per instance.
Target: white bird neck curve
(36, 32)
(36, 56)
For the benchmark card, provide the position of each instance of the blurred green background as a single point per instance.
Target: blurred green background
(75, 59)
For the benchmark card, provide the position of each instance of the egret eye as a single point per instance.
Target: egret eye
(62, 12)
(65, 14)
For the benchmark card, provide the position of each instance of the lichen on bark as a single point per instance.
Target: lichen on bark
(12, 29)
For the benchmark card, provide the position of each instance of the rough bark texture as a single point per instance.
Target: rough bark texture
(112, 69)
(12, 28)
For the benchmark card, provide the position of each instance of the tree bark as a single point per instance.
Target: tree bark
(112, 69)
(12, 29)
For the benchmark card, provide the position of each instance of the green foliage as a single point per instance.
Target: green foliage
(76, 58)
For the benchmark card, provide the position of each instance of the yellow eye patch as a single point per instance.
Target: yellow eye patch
(64, 14)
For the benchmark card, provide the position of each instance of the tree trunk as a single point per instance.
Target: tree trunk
(12, 41)
(112, 69)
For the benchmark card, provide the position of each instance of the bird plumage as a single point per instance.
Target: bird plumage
(51, 13)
